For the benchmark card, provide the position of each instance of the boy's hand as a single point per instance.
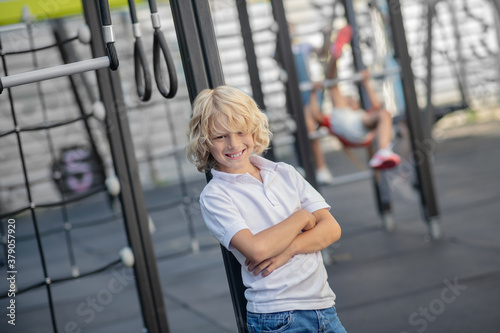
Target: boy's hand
(267, 266)
(310, 219)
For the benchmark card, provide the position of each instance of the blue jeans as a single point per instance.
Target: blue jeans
(296, 321)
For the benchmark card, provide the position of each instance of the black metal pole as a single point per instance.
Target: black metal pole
(461, 73)
(429, 110)
(210, 50)
(131, 195)
(496, 16)
(380, 184)
(496, 4)
(189, 46)
(202, 68)
(293, 96)
(420, 147)
(251, 57)
(357, 57)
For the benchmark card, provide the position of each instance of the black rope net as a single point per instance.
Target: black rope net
(57, 184)
(50, 160)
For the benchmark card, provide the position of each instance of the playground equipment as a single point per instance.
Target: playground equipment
(202, 66)
(210, 75)
(111, 60)
(136, 218)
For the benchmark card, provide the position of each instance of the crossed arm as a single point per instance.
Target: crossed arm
(273, 247)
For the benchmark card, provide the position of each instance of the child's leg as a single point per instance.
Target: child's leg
(343, 37)
(324, 320)
(329, 321)
(314, 117)
(381, 121)
(312, 125)
(313, 110)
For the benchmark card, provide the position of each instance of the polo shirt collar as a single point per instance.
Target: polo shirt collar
(260, 162)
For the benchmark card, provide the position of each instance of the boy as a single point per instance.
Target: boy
(273, 221)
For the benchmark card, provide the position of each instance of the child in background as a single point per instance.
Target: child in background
(352, 125)
(302, 52)
(272, 220)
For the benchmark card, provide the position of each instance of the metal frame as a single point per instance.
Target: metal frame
(293, 95)
(54, 72)
(429, 110)
(496, 5)
(110, 59)
(380, 184)
(462, 81)
(132, 197)
(414, 120)
(251, 58)
(198, 48)
(202, 68)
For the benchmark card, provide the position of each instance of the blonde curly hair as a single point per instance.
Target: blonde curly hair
(235, 111)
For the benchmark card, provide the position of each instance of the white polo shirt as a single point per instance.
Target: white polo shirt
(233, 202)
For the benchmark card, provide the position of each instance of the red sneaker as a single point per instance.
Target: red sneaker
(344, 36)
(384, 159)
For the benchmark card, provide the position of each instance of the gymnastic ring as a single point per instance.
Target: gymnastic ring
(160, 44)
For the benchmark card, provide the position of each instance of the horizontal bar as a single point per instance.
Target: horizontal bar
(12, 27)
(54, 72)
(307, 86)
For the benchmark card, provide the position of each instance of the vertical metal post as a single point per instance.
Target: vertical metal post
(496, 15)
(293, 96)
(381, 186)
(251, 57)
(496, 4)
(462, 73)
(131, 196)
(190, 47)
(419, 147)
(356, 50)
(429, 111)
(202, 67)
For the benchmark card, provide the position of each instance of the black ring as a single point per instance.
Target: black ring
(160, 44)
(142, 82)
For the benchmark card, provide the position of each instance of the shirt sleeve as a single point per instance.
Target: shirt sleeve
(310, 199)
(221, 216)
